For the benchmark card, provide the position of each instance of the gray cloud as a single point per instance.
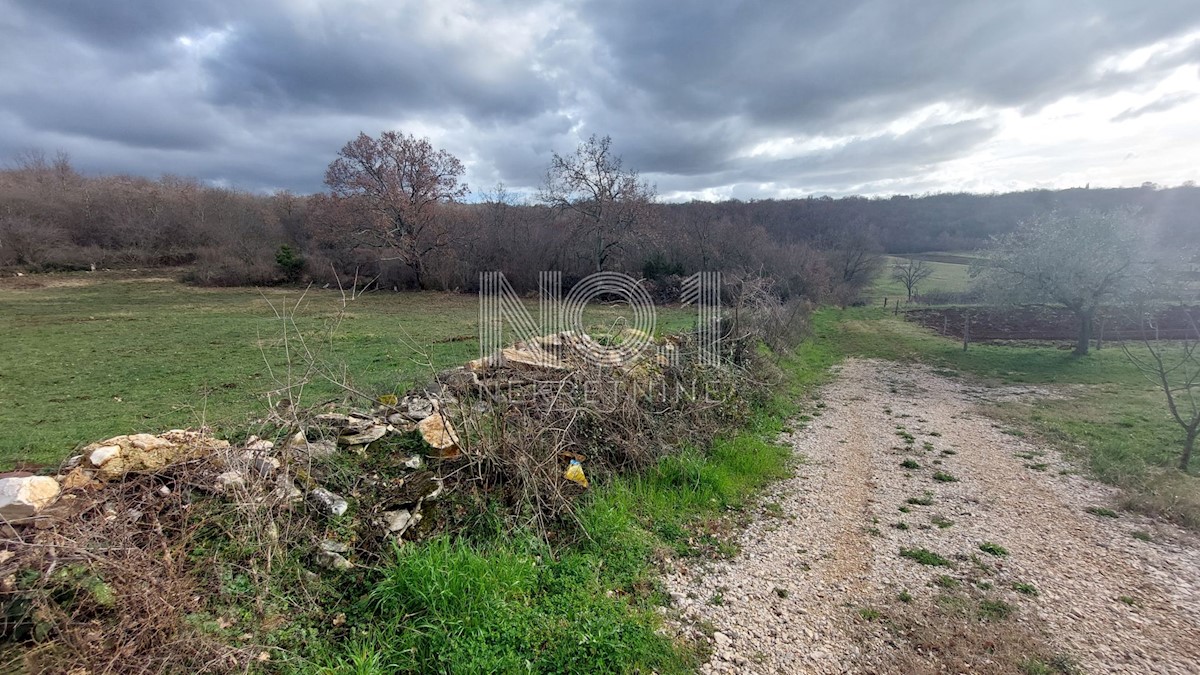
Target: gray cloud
(261, 95)
(1163, 104)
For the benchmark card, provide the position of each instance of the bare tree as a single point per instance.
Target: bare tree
(1080, 261)
(1175, 370)
(25, 242)
(855, 254)
(608, 200)
(910, 273)
(402, 180)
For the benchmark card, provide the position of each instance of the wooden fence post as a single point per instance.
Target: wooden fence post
(966, 330)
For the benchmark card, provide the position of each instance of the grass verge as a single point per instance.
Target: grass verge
(514, 602)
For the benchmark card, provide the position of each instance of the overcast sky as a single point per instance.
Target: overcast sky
(709, 100)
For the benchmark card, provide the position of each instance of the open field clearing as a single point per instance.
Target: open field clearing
(1049, 323)
(949, 276)
(88, 356)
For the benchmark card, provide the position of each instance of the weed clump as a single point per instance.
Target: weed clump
(993, 549)
(924, 557)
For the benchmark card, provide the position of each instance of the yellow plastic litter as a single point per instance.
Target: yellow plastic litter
(388, 399)
(575, 473)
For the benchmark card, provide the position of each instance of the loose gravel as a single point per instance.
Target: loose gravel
(827, 542)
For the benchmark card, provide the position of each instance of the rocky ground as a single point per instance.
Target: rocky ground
(821, 586)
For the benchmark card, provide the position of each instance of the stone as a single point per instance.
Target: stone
(415, 462)
(120, 455)
(346, 423)
(258, 444)
(533, 358)
(78, 479)
(440, 435)
(401, 422)
(333, 561)
(286, 490)
(230, 480)
(303, 447)
(417, 408)
(481, 365)
(368, 435)
(265, 466)
(332, 546)
(437, 492)
(297, 442)
(24, 496)
(329, 503)
(397, 521)
(459, 379)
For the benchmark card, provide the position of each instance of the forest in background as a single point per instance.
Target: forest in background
(54, 218)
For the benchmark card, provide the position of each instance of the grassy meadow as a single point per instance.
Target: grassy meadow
(949, 275)
(89, 356)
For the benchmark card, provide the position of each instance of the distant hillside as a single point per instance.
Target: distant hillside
(950, 222)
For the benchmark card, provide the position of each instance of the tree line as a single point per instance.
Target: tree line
(397, 213)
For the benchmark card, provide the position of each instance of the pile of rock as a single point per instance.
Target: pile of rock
(24, 496)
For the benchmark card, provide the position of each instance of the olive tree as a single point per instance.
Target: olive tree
(1080, 261)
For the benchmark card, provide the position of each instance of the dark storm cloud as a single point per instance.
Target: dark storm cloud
(262, 95)
(809, 65)
(361, 63)
(123, 25)
(857, 161)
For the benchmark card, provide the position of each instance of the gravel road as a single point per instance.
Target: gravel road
(823, 555)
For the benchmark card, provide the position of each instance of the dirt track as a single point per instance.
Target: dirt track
(825, 550)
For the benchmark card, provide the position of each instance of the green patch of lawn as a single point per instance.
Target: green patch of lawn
(947, 276)
(96, 355)
(509, 602)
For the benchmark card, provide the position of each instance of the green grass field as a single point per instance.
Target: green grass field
(112, 355)
(87, 356)
(949, 275)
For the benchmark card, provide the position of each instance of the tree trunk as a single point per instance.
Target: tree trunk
(1085, 333)
(1188, 445)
